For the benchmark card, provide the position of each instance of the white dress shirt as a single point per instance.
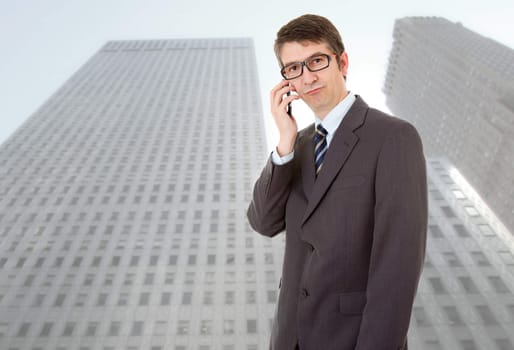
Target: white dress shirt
(331, 122)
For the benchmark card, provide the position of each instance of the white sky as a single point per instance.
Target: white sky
(44, 42)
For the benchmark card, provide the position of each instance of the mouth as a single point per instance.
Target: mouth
(312, 91)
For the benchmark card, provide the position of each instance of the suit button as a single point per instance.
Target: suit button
(304, 293)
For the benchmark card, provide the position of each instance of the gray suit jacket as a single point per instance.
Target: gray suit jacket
(355, 235)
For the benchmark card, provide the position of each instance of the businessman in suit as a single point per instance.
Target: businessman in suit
(350, 193)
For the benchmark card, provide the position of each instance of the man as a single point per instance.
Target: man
(350, 192)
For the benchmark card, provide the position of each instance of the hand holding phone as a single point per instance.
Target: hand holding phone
(289, 107)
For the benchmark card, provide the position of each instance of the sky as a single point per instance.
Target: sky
(42, 43)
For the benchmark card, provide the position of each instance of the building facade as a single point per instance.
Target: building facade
(122, 206)
(465, 300)
(457, 87)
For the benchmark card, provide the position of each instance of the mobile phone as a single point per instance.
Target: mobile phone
(289, 107)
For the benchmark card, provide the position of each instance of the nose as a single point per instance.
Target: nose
(309, 77)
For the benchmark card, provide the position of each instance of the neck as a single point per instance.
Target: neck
(323, 112)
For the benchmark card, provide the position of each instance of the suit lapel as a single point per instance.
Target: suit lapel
(340, 148)
(308, 171)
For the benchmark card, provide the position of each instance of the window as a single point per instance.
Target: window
(437, 285)
(191, 260)
(149, 278)
(228, 326)
(46, 329)
(102, 298)
(272, 296)
(452, 259)
(504, 344)
(114, 328)
(507, 257)
(91, 329)
(468, 285)
(173, 260)
(59, 300)
(461, 230)
(186, 298)
(498, 285)
(68, 329)
(123, 299)
(153, 260)
(250, 297)
(211, 259)
(486, 315)
(170, 278)
(421, 316)
(137, 328)
(448, 212)
(134, 261)
(453, 315)
(166, 298)
(468, 344)
(144, 299)
(160, 328)
(23, 330)
(251, 326)
(183, 327)
(208, 297)
(480, 259)
(229, 297)
(206, 327)
(435, 231)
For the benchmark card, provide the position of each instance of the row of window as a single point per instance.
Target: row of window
(468, 286)
(208, 297)
(135, 260)
(454, 318)
(135, 328)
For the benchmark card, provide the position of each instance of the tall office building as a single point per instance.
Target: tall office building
(465, 299)
(122, 206)
(457, 87)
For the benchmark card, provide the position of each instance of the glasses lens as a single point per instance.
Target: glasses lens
(317, 63)
(292, 70)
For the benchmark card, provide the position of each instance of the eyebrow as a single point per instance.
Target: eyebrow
(311, 56)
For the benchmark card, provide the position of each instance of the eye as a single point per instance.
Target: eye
(317, 61)
(292, 68)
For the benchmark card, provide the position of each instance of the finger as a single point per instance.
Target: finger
(280, 89)
(288, 99)
(280, 96)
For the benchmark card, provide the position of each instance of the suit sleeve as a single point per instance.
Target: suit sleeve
(266, 213)
(399, 240)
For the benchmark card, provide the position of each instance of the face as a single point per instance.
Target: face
(321, 90)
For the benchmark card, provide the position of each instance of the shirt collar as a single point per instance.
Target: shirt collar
(334, 118)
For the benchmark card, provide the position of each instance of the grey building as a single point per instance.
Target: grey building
(457, 87)
(465, 299)
(122, 206)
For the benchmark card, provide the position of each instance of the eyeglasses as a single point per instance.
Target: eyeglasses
(314, 63)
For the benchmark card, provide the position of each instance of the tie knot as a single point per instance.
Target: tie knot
(320, 134)
(321, 131)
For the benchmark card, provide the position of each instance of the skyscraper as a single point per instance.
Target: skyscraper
(457, 87)
(122, 206)
(465, 299)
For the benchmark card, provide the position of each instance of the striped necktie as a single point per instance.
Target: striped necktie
(320, 146)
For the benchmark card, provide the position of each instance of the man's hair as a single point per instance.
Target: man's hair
(312, 28)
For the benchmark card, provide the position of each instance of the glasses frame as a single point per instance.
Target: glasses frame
(304, 64)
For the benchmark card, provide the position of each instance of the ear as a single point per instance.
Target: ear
(344, 63)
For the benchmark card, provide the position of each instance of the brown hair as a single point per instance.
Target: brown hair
(312, 28)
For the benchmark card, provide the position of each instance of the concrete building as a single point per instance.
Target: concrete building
(122, 206)
(457, 87)
(465, 299)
